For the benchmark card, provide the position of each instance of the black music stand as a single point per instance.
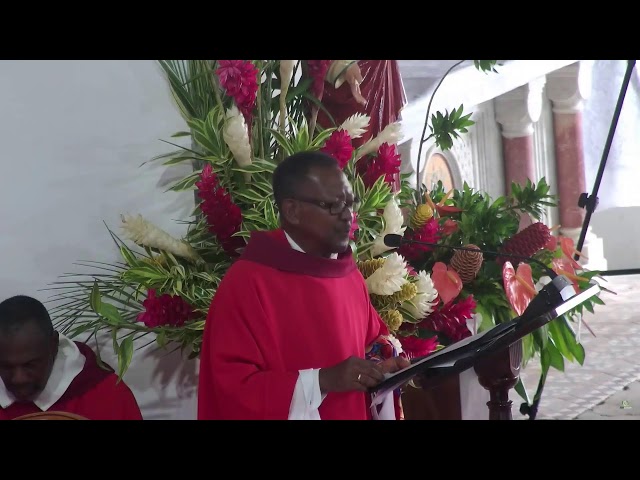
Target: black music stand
(590, 202)
(462, 355)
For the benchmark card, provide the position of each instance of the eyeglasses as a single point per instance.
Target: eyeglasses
(335, 208)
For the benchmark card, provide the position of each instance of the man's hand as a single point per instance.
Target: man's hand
(352, 374)
(393, 364)
(353, 77)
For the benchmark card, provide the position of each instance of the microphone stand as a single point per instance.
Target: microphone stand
(590, 202)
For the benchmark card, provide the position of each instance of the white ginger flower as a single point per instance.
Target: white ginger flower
(286, 72)
(393, 220)
(356, 125)
(422, 304)
(146, 234)
(236, 136)
(389, 278)
(391, 134)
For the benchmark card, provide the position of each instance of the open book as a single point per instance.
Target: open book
(464, 354)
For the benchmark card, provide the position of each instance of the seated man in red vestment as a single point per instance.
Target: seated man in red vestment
(291, 323)
(42, 370)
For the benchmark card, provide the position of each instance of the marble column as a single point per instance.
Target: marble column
(516, 112)
(568, 88)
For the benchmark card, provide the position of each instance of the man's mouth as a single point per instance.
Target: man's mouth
(22, 393)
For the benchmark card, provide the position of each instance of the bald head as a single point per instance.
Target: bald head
(28, 346)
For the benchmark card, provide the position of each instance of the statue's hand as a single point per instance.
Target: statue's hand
(353, 77)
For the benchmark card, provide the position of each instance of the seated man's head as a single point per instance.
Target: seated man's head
(28, 346)
(315, 202)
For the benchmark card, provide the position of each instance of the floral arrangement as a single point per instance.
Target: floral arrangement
(244, 116)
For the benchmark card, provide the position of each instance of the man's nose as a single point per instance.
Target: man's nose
(20, 376)
(347, 213)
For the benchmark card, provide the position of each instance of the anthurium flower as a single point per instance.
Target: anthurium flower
(518, 285)
(442, 209)
(446, 281)
(569, 250)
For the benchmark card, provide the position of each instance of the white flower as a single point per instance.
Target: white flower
(146, 234)
(395, 342)
(355, 125)
(473, 323)
(393, 220)
(236, 136)
(286, 71)
(389, 278)
(391, 134)
(422, 304)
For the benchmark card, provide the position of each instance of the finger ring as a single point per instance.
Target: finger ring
(359, 377)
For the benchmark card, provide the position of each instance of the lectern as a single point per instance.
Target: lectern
(495, 354)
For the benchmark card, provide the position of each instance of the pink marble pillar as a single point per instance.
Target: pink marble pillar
(569, 167)
(519, 162)
(516, 112)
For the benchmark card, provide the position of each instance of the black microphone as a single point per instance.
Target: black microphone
(552, 295)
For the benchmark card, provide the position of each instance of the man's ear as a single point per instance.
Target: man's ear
(290, 211)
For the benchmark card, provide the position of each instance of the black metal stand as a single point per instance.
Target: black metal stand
(589, 203)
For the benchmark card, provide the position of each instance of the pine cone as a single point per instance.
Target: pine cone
(467, 264)
(421, 216)
(527, 242)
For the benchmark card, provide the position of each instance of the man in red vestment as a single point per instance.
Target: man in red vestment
(290, 325)
(42, 370)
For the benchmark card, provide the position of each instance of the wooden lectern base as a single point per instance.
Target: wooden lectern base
(458, 398)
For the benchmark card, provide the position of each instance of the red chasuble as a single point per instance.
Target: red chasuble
(93, 394)
(278, 311)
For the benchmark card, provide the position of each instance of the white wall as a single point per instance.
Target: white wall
(73, 136)
(617, 217)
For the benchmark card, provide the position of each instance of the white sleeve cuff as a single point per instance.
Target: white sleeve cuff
(306, 396)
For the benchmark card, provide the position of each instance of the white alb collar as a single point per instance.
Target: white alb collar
(68, 364)
(297, 247)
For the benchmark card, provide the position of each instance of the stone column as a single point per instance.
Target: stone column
(567, 89)
(516, 112)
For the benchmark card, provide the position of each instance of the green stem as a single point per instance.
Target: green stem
(259, 101)
(424, 130)
(216, 86)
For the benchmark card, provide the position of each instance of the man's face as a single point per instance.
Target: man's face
(319, 215)
(26, 360)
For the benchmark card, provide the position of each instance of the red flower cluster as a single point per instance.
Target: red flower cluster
(386, 163)
(239, 78)
(417, 347)
(451, 319)
(164, 310)
(427, 233)
(223, 216)
(338, 145)
(318, 71)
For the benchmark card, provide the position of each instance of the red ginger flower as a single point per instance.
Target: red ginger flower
(338, 145)
(418, 347)
(427, 233)
(451, 319)
(386, 163)
(354, 226)
(239, 79)
(223, 216)
(165, 310)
